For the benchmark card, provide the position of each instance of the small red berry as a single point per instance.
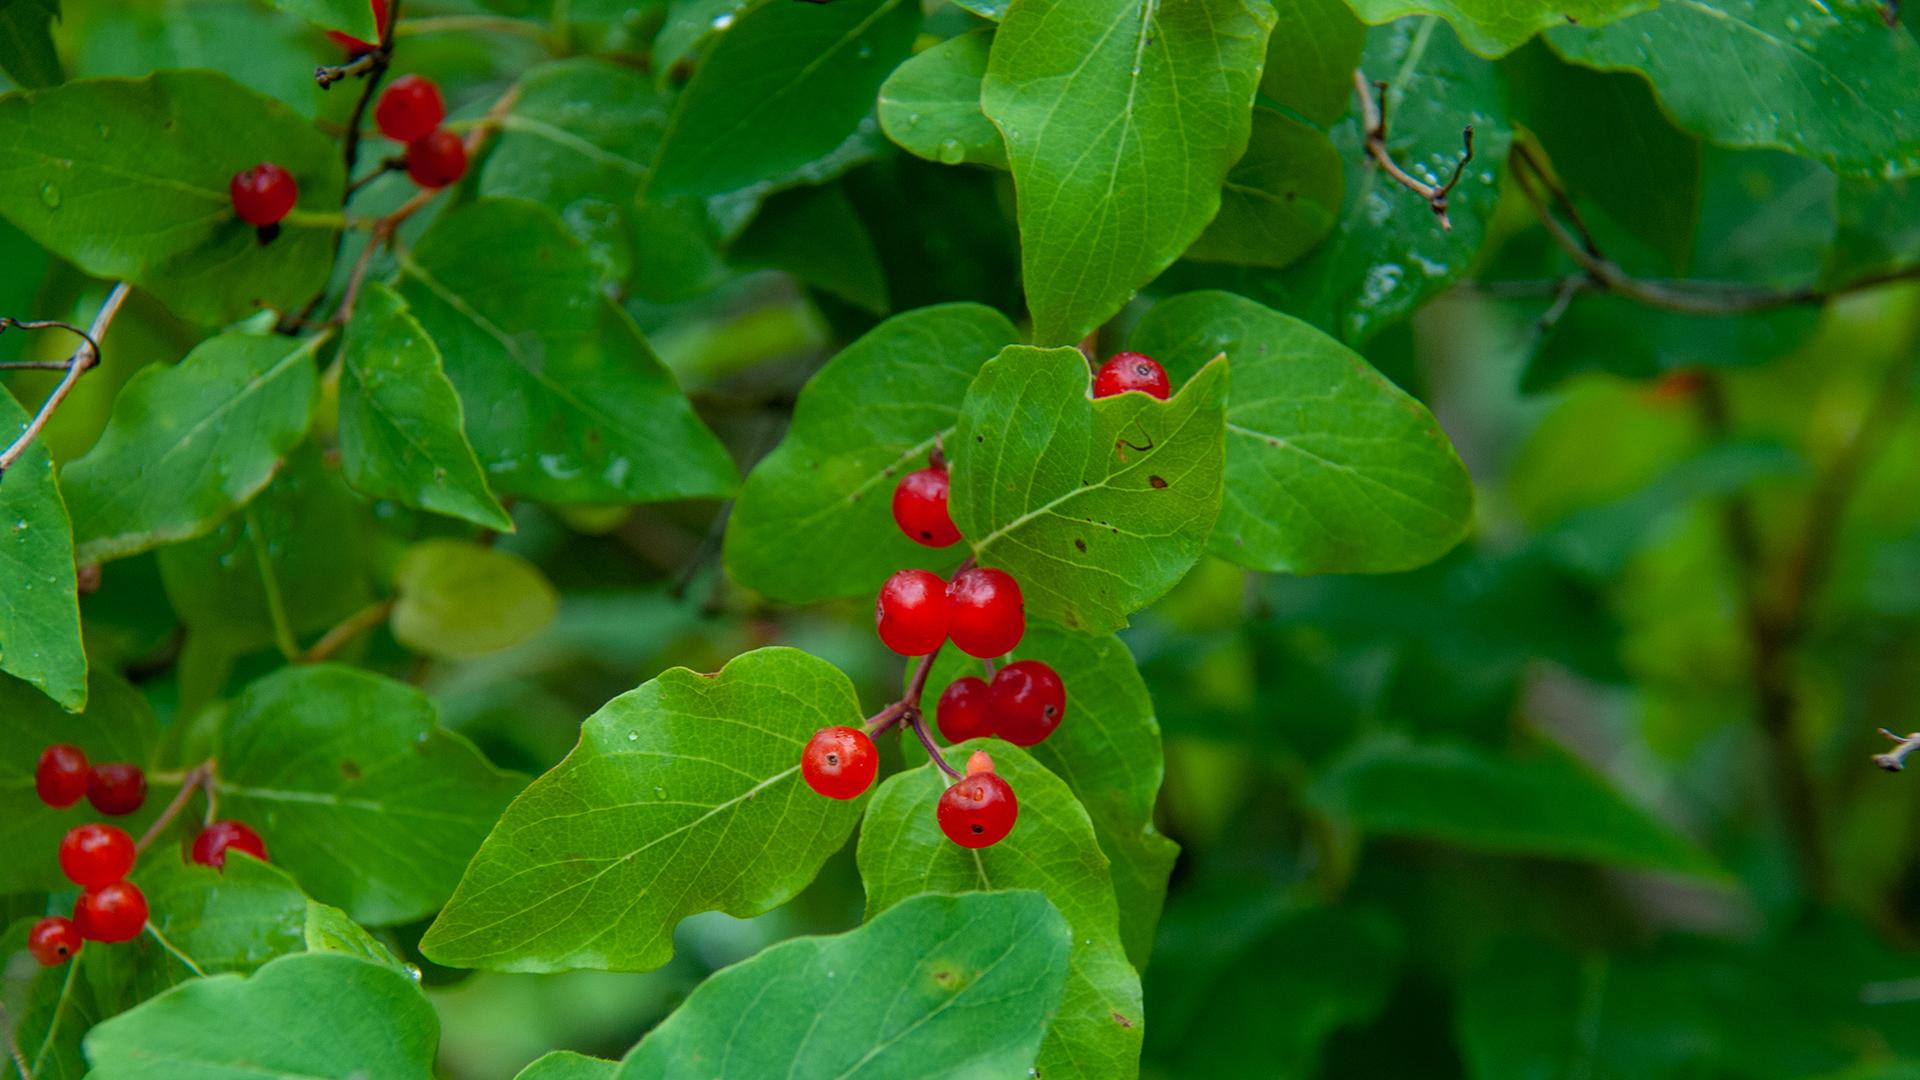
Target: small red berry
(114, 912)
(93, 855)
(436, 159)
(409, 109)
(211, 846)
(117, 788)
(920, 508)
(989, 617)
(354, 45)
(61, 776)
(978, 810)
(839, 762)
(911, 612)
(1029, 701)
(263, 194)
(1131, 371)
(965, 710)
(53, 940)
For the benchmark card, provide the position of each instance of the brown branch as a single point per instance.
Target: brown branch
(199, 776)
(1896, 759)
(346, 630)
(83, 359)
(1373, 116)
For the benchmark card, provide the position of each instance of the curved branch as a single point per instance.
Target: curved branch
(83, 359)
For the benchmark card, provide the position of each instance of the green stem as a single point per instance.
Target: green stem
(276, 605)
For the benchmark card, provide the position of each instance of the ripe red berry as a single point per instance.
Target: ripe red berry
(911, 612)
(920, 508)
(93, 855)
(989, 617)
(263, 194)
(117, 788)
(965, 710)
(354, 45)
(839, 762)
(211, 846)
(409, 109)
(53, 940)
(1029, 701)
(1131, 371)
(114, 912)
(61, 777)
(436, 159)
(978, 810)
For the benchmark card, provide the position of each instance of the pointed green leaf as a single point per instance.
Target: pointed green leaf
(930, 105)
(40, 605)
(1279, 200)
(460, 599)
(815, 234)
(1310, 62)
(1497, 27)
(353, 18)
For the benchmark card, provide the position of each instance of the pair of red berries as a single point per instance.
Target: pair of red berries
(1131, 371)
(1024, 704)
(410, 111)
(981, 610)
(63, 776)
(977, 811)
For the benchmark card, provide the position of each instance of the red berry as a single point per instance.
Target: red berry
(1131, 371)
(409, 109)
(436, 159)
(117, 788)
(989, 617)
(911, 612)
(965, 710)
(93, 855)
(263, 194)
(1029, 701)
(920, 508)
(114, 912)
(839, 762)
(978, 810)
(53, 940)
(353, 44)
(211, 846)
(61, 776)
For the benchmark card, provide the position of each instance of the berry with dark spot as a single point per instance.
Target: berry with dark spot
(920, 508)
(1131, 371)
(839, 762)
(979, 809)
(53, 940)
(1029, 701)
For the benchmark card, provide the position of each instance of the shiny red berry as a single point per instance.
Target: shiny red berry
(965, 710)
(839, 762)
(1029, 701)
(61, 777)
(114, 912)
(920, 508)
(263, 194)
(911, 612)
(989, 617)
(93, 855)
(978, 810)
(211, 846)
(1131, 371)
(436, 159)
(354, 45)
(53, 940)
(409, 109)
(116, 789)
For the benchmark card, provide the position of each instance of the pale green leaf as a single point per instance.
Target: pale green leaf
(1279, 200)
(930, 105)
(567, 1065)
(1497, 27)
(1311, 57)
(40, 604)
(460, 599)
(353, 18)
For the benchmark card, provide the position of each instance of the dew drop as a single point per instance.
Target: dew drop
(633, 736)
(952, 153)
(659, 792)
(721, 22)
(105, 131)
(50, 195)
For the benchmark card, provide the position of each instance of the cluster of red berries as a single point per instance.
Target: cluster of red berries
(98, 857)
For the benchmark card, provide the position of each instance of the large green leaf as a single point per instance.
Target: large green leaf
(935, 986)
(566, 401)
(683, 796)
(1877, 228)
(1497, 27)
(27, 55)
(127, 178)
(815, 520)
(567, 1065)
(1096, 507)
(1330, 467)
(1828, 81)
(401, 423)
(352, 17)
(930, 105)
(1121, 119)
(357, 789)
(1311, 57)
(816, 235)
(1279, 200)
(253, 45)
(189, 444)
(40, 605)
(458, 599)
(1097, 1029)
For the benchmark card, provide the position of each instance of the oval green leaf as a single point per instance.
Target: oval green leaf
(930, 105)
(461, 599)
(40, 605)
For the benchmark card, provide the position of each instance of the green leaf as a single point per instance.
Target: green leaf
(1310, 63)
(1279, 200)
(814, 234)
(331, 764)
(682, 796)
(40, 606)
(460, 599)
(1096, 507)
(1878, 228)
(27, 54)
(936, 986)
(318, 1014)
(567, 1065)
(127, 178)
(930, 105)
(1830, 82)
(1097, 1029)
(1543, 803)
(986, 9)
(189, 444)
(815, 518)
(255, 46)
(401, 423)
(1330, 467)
(351, 17)
(1122, 118)
(1497, 27)
(568, 402)
(782, 87)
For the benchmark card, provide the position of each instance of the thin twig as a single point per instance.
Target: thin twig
(919, 724)
(198, 776)
(885, 719)
(1374, 121)
(83, 359)
(346, 630)
(1896, 759)
(377, 62)
(328, 74)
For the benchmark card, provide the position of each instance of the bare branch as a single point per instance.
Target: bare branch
(1373, 115)
(83, 359)
(1896, 759)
